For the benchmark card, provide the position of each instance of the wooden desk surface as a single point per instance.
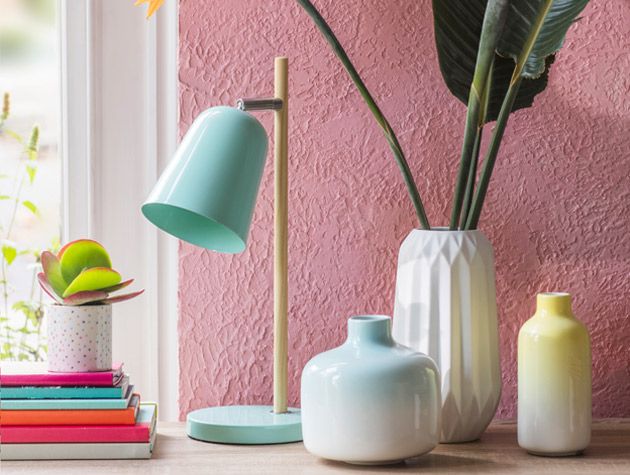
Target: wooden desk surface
(496, 452)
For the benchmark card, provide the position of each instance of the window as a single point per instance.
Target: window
(113, 81)
(30, 169)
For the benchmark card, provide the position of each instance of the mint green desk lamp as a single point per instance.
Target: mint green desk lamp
(206, 197)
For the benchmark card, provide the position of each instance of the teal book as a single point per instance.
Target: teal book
(66, 392)
(42, 404)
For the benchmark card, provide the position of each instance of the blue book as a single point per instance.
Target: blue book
(66, 392)
(41, 404)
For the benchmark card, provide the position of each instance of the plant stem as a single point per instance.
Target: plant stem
(23, 342)
(472, 175)
(5, 289)
(5, 295)
(392, 140)
(493, 22)
(18, 195)
(491, 154)
(23, 332)
(472, 118)
(39, 327)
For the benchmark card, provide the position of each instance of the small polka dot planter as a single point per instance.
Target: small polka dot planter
(79, 338)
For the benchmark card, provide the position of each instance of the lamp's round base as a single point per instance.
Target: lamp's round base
(244, 425)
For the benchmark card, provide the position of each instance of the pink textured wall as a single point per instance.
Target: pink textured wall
(557, 211)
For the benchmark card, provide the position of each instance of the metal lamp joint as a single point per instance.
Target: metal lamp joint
(271, 103)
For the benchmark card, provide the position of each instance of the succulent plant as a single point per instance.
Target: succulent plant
(80, 274)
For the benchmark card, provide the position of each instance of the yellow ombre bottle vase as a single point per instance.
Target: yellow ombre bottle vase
(554, 380)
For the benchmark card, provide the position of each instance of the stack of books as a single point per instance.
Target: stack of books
(48, 416)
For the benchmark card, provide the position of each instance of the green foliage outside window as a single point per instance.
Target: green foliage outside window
(21, 320)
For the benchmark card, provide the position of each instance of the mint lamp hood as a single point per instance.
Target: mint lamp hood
(206, 195)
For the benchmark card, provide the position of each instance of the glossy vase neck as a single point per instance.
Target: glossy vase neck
(369, 329)
(554, 303)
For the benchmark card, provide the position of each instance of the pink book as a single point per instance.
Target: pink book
(140, 432)
(35, 374)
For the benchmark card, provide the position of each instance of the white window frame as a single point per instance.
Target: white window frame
(119, 113)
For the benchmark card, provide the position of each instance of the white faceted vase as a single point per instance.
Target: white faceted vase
(446, 308)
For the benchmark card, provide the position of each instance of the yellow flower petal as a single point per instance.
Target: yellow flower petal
(153, 5)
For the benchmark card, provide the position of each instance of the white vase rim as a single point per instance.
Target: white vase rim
(445, 229)
(78, 306)
(555, 294)
(369, 318)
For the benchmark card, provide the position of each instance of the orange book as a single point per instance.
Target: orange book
(72, 417)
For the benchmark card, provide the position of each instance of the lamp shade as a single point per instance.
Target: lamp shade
(206, 195)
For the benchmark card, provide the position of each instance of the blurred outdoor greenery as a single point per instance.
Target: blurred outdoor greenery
(29, 169)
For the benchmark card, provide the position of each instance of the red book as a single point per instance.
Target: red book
(74, 417)
(140, 432)
(35, 374)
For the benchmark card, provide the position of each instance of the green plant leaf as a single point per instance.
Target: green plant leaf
(31, 171)
(55, 244)
(4, 197)
(52, 271)
(9, 252)
(31, 207)
(31, 310)
(6, 107)
(46, 287)
(116, 287)
(94, 278)
(457, 36)
(21, 306)
(14, 135)
(33, 142)
(502, 42)
(122, 298)
(87, 296)
(82, 254)
(552, 17)
(380, 118)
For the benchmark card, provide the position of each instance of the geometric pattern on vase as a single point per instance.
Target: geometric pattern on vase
(445, 307)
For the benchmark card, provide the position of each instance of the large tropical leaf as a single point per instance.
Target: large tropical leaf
(534, 30)
(553, 17)
(457, 33)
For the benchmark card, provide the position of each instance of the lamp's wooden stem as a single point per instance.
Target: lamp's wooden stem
(280, 281)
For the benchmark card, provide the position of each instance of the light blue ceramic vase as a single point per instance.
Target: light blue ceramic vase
(371, 400)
